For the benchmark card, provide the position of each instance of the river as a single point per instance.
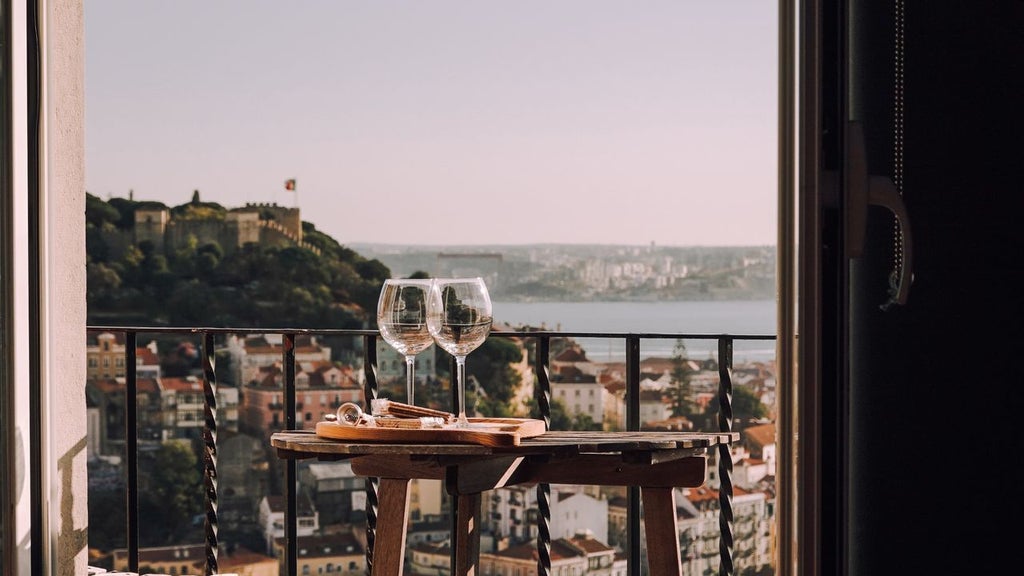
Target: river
(740, 317)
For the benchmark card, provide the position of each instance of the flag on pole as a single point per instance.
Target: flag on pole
(289, 184)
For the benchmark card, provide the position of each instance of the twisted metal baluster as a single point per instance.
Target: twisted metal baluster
(725, 512)
(210, 452)
(543, 394)
(371, 483)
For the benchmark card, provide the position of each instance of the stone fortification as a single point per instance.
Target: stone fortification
(264, 224)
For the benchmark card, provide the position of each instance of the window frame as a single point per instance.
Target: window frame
(24, 331)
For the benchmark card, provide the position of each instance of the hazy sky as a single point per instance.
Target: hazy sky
(446, 121)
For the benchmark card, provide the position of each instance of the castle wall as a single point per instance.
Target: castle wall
(286, 218)
(205, 231)
(151, 225)
(240, 226)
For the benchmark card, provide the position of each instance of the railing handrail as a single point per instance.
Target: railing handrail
(374, 332)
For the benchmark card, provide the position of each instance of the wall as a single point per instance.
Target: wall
(64, 307)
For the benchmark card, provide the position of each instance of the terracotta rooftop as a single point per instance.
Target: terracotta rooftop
(761, 435)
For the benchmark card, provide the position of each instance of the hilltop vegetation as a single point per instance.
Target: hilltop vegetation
(202, 284)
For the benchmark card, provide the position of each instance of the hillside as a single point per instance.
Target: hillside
(150, 264)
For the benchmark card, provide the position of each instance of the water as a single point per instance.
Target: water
(749, 317)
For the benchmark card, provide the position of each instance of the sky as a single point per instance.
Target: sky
(445, 122)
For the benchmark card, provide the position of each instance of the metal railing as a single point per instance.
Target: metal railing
(541, 365)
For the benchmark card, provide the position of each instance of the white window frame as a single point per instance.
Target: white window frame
(44, 291)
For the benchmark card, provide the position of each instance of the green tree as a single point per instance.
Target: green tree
(560, 419)
(101, 278)
(581, 421)
(99, 214)
(491, 364)
(745, 406)
(174, 495)
(681, 393)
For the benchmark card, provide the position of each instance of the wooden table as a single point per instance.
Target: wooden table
(657, 462)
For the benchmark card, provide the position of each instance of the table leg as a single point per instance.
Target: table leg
(467, 536)
(663, 555)
(392, 511)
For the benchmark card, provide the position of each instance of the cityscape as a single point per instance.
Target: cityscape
(580, 273)
(587, 523)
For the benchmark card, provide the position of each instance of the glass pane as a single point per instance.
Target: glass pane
(620, 163)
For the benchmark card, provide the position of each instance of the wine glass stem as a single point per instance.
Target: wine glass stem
(410, 376)
(460, 369)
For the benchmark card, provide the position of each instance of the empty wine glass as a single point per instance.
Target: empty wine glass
(402, 320)
(459, 319)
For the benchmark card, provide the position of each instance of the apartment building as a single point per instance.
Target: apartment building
(105, 354)
(337, 554)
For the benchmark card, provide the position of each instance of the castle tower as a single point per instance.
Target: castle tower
(242, 227)
(151, 224)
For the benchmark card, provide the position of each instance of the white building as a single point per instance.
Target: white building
(575, 513)
(183, 408)
(569, 556)
(272, 521)
(586, 397)
(700, 535)
(253, 352)
(508, 514)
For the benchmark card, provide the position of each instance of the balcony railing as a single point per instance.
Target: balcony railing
(541, 364)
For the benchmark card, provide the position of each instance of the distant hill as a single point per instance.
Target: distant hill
(200, 264)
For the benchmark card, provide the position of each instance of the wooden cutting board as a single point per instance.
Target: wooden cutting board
(485, 431)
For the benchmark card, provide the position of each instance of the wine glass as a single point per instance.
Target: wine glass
(459, 319)
(402, 320)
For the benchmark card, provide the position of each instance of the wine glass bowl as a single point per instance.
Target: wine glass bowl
(459, 320)
(402, 321)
